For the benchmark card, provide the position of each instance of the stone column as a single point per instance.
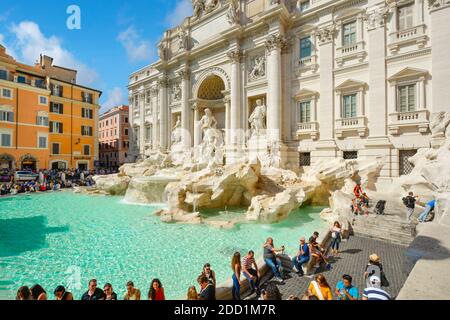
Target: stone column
(185, 109)
(154, 101)
(274, 95)
(326, 115)
(227, 119)
(142, 129)
(164, 113)
(197, 129)
(235, 142)
(439, 26)
(378, 143)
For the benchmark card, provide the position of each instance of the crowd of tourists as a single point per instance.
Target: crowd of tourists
(246, 267)
(47, 180)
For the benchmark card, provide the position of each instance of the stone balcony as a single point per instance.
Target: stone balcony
(416, 119)
(307, 63)
(351, 52)
(307, 129)
(351, 125)
(416, 35)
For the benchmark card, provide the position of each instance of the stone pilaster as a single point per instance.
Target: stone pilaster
(154, 100)
(235, 131)
(163, 83)
(185, 108)
(142, 130)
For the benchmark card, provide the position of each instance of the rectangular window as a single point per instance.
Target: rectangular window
(126, 119)
(87, 150)
(57, 90)
(349, 34)
(350, 155)
(5, 139)
(350, 105)
(7, 93)
(55, 148)
(305, 112)
(126, 132)
(56, 127)
(42, 121)
(87, 113)
(21, 79)
(407, 98)
(304, 5)
(39, 83)
(405, 17)
(86, 97)
(86, 131)
(406, 167)
(56, 108)
(305, 47)
(3, 75)
(43, 100)
(6, 116)
(305, 159)
(42, 143)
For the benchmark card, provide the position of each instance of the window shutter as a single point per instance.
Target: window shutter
(10, 117)
(51, 126)
(61, 128)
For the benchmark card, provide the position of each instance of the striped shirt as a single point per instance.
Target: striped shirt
(248, 262)
(376, 294)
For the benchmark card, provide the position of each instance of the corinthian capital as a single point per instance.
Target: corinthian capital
(163, 82)
(376, 17)
(275, 42)
(326, 34)
(184, 74)
(235, 56)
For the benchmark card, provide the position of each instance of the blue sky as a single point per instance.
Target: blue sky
(116, 37)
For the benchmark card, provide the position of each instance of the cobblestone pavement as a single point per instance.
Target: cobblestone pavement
(352, 260)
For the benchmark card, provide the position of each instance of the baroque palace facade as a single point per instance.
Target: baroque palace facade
(323, 79)
(47, 120)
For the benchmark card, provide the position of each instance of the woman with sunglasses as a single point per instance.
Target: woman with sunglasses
(209, 273)
(109, 292)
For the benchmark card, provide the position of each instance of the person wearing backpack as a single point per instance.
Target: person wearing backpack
(410, 203)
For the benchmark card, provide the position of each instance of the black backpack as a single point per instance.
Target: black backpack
(380, 207)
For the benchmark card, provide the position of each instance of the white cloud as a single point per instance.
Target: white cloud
(114, 97)
(182, 10)
(30, 42)
(137, 49)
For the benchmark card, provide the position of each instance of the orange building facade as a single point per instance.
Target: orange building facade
(47, 121)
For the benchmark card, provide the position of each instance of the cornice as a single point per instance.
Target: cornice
(413, 54)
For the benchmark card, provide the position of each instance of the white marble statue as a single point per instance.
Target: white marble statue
(213, 142)
(257, 119)
(439, 123)
(176, 132)
(183, 42)
(210, 5)
(234, 13)
(198, 8)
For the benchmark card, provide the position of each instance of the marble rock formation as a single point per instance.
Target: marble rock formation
(112, 184)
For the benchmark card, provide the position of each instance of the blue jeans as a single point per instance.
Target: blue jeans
(425, 214)
(236, 291)
(298, 262)
(254, 284)
(335, 243)
(274, 265)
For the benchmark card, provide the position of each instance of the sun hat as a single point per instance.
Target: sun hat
(374, 258)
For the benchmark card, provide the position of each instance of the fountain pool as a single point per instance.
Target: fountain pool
(66, 239)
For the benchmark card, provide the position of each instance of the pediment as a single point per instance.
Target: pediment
(408, 73)
(306, 93)
(350, 84)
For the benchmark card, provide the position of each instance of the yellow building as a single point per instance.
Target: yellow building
(46, 119)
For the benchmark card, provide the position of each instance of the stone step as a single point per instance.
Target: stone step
(403, 229)
(400, 241)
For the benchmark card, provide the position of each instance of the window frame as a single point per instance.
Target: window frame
(355, 111)
(2, 95)
(407, 86)
(307, 114)
(354, 33)
(40, 102)
(310, 47)
(6, 133)
(53, 148)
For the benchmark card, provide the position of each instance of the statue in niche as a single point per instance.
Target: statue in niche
(163, 51)
(198, 8)
(257, 119)
(176, 92)
(234, 13)
(176, 132)
(183, 40)
(212, 145)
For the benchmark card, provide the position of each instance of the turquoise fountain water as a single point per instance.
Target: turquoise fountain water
(66, 239)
